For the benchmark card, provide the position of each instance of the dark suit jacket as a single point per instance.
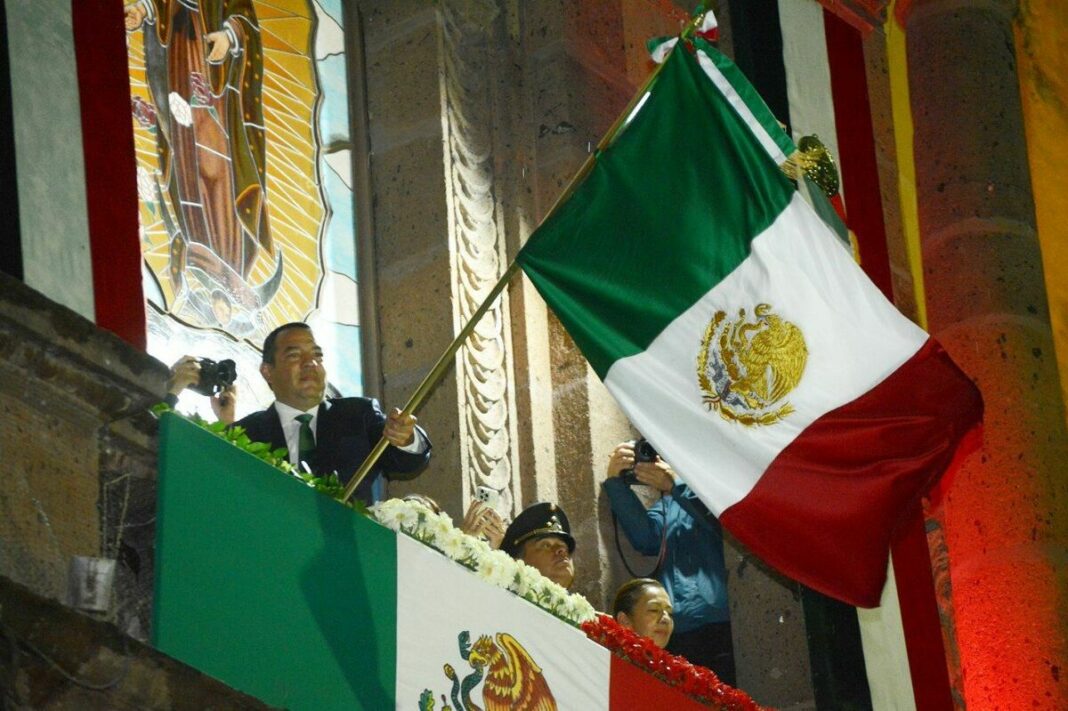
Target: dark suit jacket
(346, 431)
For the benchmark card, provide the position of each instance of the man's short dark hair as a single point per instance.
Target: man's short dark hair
(272, 337)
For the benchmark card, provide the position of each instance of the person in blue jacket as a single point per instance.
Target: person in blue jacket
(688, 539)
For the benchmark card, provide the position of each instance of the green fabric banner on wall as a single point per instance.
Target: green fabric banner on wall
(281, 592)
(268, 585)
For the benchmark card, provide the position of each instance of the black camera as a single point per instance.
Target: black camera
(215, 376)
(643, 452)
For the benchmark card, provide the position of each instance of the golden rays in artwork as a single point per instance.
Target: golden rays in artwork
(294, 204)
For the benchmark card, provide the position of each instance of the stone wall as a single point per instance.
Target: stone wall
(79, 452)
(79, 480)
(55, 659)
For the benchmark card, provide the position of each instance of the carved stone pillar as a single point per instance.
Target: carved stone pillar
(477, 246)
(571, 85)
(432, 77)
(987, 304)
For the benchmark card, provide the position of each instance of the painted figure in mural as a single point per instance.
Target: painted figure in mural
(204, 65)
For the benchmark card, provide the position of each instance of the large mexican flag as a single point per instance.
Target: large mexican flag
(285, 594)
(740, 337)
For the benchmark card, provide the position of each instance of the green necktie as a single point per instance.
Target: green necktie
(306, 448)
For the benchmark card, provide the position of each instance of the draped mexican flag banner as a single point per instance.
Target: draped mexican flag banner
(742, 340)
(502, 651)
(283, 593)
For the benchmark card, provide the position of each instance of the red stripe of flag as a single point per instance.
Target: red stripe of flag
(630, 688)
(825, 509)
(110, 167)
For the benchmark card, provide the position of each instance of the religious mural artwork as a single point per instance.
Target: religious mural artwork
(211, 152)
(239, 107)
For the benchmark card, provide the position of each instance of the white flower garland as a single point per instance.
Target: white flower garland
(494, 566)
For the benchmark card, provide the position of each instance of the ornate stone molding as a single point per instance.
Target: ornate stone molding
(476, 247)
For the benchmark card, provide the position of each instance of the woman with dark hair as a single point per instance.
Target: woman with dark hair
(688, 539)
(642, 605)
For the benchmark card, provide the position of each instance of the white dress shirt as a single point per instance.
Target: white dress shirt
(291, 429)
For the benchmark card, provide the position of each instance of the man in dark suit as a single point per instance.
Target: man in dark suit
(342, 430)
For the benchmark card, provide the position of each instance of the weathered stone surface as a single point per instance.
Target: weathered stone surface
(79, 449)
(1002, 515)
(54, 659)
(766, 615)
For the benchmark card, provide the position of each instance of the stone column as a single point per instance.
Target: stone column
(439, 242)
(1003, 514)
(571, 84)
(470, 87)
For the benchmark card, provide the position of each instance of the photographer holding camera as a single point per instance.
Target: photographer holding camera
(321, 435)
(688, 539)
(207, 377)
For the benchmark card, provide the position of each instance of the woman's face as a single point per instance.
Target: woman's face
(651, 616)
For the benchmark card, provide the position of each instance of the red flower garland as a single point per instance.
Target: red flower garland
(698, 682)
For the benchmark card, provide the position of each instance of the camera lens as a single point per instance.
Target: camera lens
(644, 452)
(215, 377)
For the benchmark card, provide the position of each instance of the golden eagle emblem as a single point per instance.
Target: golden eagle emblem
(511, 679)
(746, 368)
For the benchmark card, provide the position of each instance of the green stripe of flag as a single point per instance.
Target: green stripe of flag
(754, 102)
(266, 584)
(667, 212)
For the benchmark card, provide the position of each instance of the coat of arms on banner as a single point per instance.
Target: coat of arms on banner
(509, 676)
(746, 368)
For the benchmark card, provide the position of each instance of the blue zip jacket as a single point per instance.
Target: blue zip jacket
(693, 572)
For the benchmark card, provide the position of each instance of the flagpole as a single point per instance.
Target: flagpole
(433, 377)
(438, 371)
